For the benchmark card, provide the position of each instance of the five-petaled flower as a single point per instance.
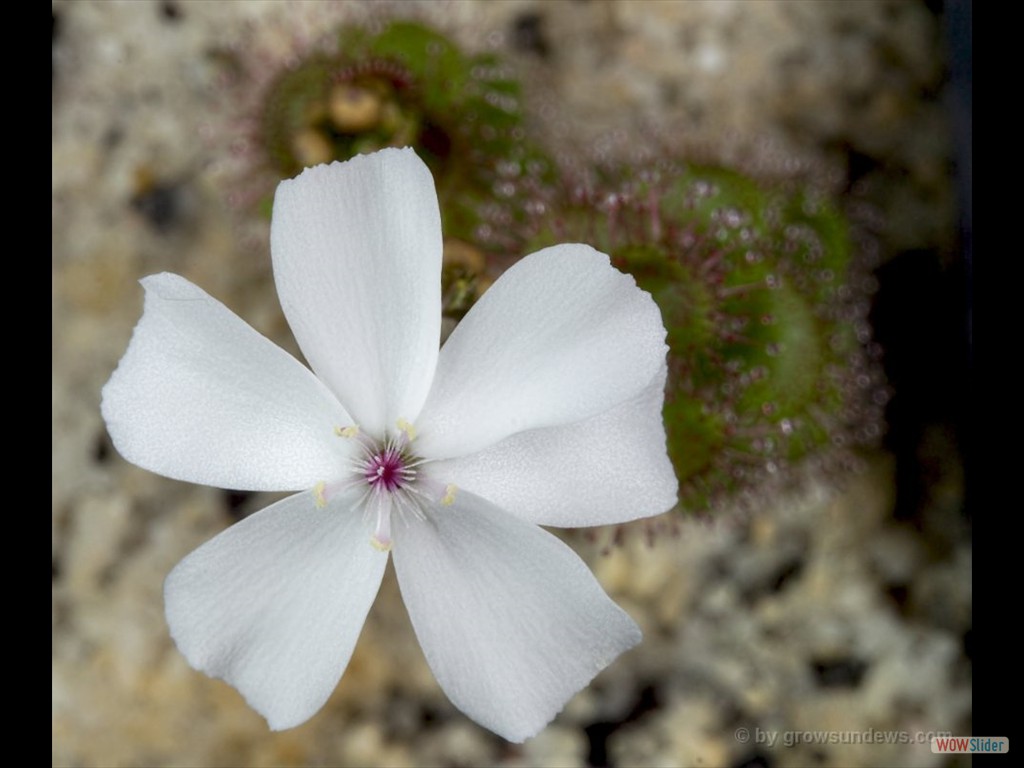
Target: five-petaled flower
(543, 408)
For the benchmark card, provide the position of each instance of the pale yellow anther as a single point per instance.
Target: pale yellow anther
(347, 431)
(379, 545)
(318, 495)
(409, 429)
(449, 494)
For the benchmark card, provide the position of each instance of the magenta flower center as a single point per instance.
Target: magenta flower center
(384, 470)
(389, 471)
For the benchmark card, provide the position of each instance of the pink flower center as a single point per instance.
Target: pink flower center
(385, 470)
(392, 482)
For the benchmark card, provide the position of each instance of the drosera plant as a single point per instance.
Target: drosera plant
(764, 289)
(379, 81)
(396, 82)
(763, 286)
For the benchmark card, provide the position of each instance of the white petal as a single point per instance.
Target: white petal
(201, 396)
(274, 604)
(610, 468)
(511, 621)
(560, 337)
(357, 261)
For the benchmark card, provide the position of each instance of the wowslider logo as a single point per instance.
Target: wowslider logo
(970, 744)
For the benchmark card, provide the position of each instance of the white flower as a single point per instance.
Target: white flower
(543, 408)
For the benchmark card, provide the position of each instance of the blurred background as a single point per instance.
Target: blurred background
(840, 604)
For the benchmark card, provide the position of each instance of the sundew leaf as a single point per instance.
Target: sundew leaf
(759, 288)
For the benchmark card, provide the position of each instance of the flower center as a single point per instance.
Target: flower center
(385, 470)
(386, 476)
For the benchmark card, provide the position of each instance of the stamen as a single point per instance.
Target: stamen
(381, 539)
(449, 494)
(407, 428)
(318, 495)
(351, 431)
(415, 463)
(409, 502)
